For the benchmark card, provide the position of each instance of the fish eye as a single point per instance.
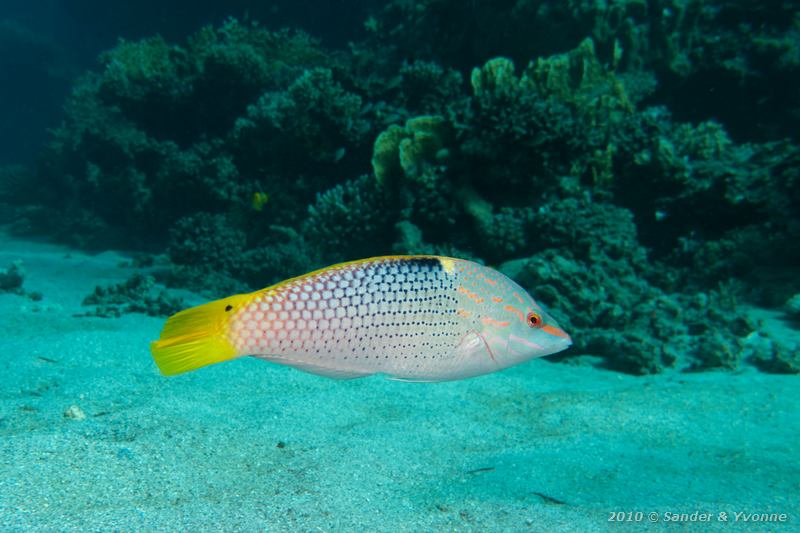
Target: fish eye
(534, 320)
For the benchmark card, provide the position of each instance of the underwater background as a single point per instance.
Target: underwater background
(633, 164)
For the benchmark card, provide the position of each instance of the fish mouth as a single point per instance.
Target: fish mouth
(563, 336)
(565, 344)
(560, 341)
(528, 349)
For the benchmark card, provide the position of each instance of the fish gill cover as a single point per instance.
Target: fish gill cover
(632, 163)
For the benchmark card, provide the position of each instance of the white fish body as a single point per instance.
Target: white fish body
(416, 318)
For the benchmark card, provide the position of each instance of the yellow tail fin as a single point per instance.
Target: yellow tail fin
(196, 337)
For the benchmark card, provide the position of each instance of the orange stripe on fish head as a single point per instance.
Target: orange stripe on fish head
(516, 311)
(555, 331)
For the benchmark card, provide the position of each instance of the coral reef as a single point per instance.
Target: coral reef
(730, 60)
(283, 253)
(136, 295)
(315, 117)
(350, 220)
(152, 137)
(793, 306)
(543, 137)
(210, 255)
(596, 277)
(426, 88)
(11, 280)
(772, 356)
(205, 251)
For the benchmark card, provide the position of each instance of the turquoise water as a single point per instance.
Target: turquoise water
(633, 166)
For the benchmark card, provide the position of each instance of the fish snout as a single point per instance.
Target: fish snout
(557, 336)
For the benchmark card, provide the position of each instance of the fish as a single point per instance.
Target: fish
(412, 318)
(259, 200)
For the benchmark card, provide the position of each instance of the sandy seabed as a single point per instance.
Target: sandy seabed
(93, 438)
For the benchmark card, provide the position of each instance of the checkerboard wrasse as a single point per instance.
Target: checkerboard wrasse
(413, 318)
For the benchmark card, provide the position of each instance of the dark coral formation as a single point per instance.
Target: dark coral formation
(12, 278)
(731, 60)
(542, 137)
(136, 295)
(164, 131)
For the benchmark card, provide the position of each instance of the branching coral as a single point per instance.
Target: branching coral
(151, 138)
(511, 135)
(702, 201)
(315, 117)
(350, 220)
(206, 252)
(566, 104)
(613, 312)
(746, 51)
(427, 88)
(282, 253)
(597, 278)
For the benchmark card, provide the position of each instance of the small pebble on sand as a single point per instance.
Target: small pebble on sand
(74, 412)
